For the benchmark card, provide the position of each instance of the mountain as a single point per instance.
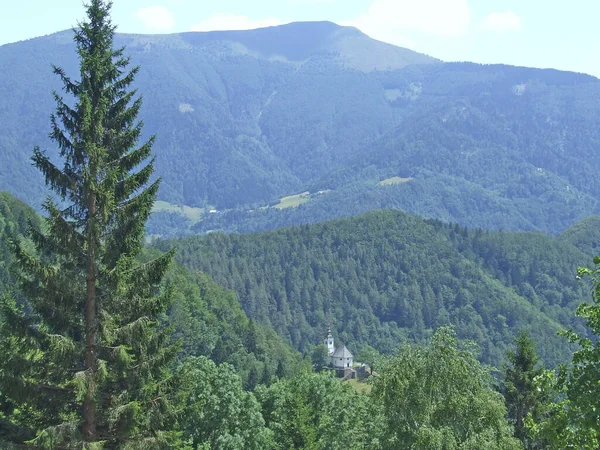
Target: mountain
(215, 101)
(245, 119)
(495, 147)
(387, 277)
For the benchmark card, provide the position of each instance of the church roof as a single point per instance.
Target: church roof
(342, 352)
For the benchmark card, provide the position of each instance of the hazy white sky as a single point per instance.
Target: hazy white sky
(539, 33)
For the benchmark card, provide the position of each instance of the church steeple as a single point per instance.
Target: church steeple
(328, 341)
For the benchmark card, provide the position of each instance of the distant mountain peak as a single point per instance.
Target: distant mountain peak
(298, 42)
(293, 42)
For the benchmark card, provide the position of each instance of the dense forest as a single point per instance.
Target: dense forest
(206, 317)
(387, 277)
(241, 387)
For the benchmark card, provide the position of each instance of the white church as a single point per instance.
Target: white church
(340, 358)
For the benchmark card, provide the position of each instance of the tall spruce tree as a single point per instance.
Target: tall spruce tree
(87, 363)
(521, 394)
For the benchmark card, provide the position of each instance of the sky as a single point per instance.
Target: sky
(561, 34)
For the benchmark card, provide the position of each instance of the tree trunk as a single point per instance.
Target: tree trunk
(89, 403)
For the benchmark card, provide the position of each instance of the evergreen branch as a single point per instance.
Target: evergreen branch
(69, 86)
(66, 234)
(62, 236)
(127, 227)
(127, 79)
(58, 436)
(121, 116)
(150, 273)
(55, 178)
(127, 162)
(125, 188)
(57, 135)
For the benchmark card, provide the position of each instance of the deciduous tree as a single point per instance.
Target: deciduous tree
(440, 397)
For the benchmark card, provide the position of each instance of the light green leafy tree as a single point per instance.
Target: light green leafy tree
(583, 383)
(574, 421)
(319, 357)
(317, 411)
(369, 355)
(440, 397)
(218, 413)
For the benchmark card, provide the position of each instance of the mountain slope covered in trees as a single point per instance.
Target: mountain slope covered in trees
(221, 104)
(387, 277)
(246, 118)
(207, 318)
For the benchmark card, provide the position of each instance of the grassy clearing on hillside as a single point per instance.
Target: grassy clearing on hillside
(359, 386)
(394, 180)
(194, 215)
(292, 201)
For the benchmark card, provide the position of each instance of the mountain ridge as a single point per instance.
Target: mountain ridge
(236, 132)
(385, 277)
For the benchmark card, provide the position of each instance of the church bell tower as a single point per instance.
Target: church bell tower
(328, 342)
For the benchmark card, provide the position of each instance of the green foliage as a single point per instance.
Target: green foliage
(570, 418)
(582, 384)
(210, 322)
(370, 356)
(320, 357)
(521, 394)
(88, 364)
(316, 411)
(386, 277)
(551, 428)
(15, 219)
(202, 315)
(440, 397)
(218, 414)
(584, 235)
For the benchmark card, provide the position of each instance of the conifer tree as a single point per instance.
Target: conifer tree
(521, 395)
(89, 364)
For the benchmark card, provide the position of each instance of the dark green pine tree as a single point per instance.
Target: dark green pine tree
(518, 386)
(89, 365)
(280, 372)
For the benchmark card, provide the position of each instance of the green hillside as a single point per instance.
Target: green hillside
(207, 318)
(388, 277)
(246, 118)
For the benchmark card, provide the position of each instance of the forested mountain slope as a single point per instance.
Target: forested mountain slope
(231, 109)
(387, 276)
(207, 319)
(245, 118)
(496, 147)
